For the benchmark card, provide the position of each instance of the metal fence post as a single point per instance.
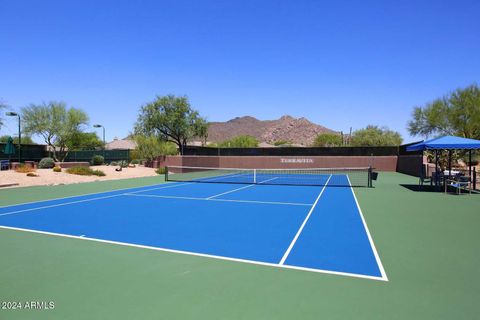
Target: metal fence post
(474, 178)
(370, 184)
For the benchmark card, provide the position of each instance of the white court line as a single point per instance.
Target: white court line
(219, 200)
(80, 201)
(264, 202)
(59, 205)
(285, 256)
(223, 177)
(230, 191)
(375, 253)
(268, 180)
(268, 264)
(91, 194)
(241, 188)
(164, 187)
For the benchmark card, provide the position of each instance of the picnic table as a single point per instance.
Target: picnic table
(459, 179)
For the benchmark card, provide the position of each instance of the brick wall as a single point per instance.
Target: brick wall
(380, 163)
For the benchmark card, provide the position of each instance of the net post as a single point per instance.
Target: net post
(254, 175)
(166, 173)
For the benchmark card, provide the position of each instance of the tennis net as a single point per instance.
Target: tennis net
(356, 177)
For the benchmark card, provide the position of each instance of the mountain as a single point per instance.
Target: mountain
(295, 130)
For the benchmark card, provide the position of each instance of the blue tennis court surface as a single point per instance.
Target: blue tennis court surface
(300, 227)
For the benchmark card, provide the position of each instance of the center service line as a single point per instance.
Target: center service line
(285, 256)
(230, 191)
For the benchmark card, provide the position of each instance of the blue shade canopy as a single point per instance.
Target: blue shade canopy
(9, 148)
(446, 142)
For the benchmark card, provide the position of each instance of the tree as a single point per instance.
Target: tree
(328, 140)
(457, 113)
(2, 107)
(239, 142)
(171, 118)
(151, 147)
(201, 130)
(25, 139)
(85, 141)
(56, 124)
(372, 136)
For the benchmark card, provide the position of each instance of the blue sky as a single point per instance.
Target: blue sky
(341, 64)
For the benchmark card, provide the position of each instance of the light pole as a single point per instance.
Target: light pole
(14, 114)
(100, 126)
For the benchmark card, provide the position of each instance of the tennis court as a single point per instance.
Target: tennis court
(267, 218)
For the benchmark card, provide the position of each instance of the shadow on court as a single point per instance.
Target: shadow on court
(428, 188)
(420, 188)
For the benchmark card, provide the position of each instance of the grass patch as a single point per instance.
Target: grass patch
(85, 171)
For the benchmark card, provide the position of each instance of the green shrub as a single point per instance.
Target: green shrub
(328, 140)
(135, 161)
(57, 169)
(123, 163)
(97, 160)
(114, 163)
(85, 171)
(82, 171)
(46, 163)
(161, 170)
(134, 155)
(281, 143)
(242, 141)
(99, 173)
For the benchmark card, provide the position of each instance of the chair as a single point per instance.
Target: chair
(424, 176)
(438, 178)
